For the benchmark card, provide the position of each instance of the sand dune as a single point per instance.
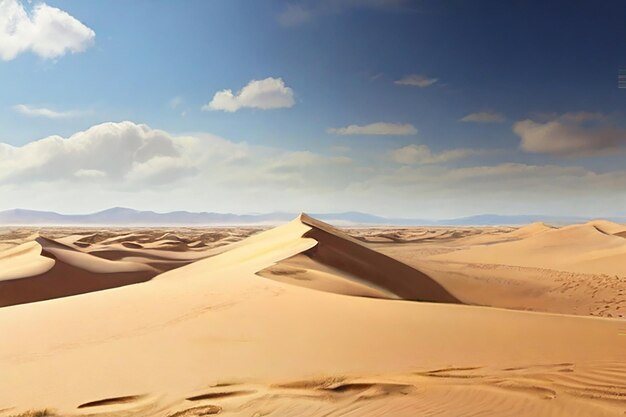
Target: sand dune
(215, 337)
(46, 269)
(530, 230)
(23, 261)
(608, 227)
(573, 270)
(584, 248)
(338, 263)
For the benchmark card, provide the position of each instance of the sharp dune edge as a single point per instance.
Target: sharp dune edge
(216, 336)
(341, 264)
(61, 272)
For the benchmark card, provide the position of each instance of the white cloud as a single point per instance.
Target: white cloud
(44, 112)
(129, 164)
(298, 159)
(120, 152)
(417, 80)
(130, 156)
(301, 169)
(421, 154)
(270, 93)
(440, 191)
(484, 117)
(571, 134)
(507, 170)
(48, 32)
(380, 128)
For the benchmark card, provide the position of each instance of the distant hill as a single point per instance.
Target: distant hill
(495, 219)
(120, 216)
(125, 216)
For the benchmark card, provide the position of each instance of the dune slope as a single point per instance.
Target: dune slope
(581, 248)
(338, 263)
(214, 337)
(46, 269)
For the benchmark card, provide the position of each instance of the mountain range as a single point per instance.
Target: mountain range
(120, 216)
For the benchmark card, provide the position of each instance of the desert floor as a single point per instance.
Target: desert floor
(308, 320)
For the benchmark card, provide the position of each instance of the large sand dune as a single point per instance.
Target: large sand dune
(341, 264)
(576, 269)
(214, 336)
(45, 269)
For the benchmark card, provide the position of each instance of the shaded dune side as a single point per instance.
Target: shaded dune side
(67, 278)
(344, 265)
(161, 263)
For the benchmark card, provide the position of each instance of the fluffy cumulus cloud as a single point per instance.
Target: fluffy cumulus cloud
(570, 134)
(380, 128)
(270, 93)
(130, 156)
(134, 165)
(300, 12)
(47, 31)
(47, 113)
(422, 154)
(417, 80)
(123, 153)
(484, 117)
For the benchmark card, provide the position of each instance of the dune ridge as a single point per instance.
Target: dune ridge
(45, 269)
(339, 263)
(215, 337)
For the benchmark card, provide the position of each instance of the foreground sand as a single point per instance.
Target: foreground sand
(232, 334)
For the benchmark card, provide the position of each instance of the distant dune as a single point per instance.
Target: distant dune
(593, 247)
(66, 272)
(213, 336)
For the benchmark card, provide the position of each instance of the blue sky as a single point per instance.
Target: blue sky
(424, 109)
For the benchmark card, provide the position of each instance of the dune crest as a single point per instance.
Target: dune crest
(45, 269)
(23, 261)
(530, 230)
(214, 337)
(608, 227)
(341, 264)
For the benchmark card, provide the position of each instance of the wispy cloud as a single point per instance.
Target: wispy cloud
(417, 80)
(270, 93)
(571, 134)
(484, 117)
(47, 32)
(422, 154)
(48, 113)
(131, 156)
(380, 128)
(176, 102)
(132, 163)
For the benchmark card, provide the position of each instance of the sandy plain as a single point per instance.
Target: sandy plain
(309, 320)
